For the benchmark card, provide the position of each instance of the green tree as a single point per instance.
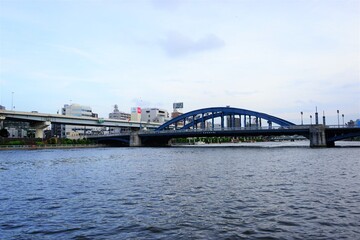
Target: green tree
(4, 133)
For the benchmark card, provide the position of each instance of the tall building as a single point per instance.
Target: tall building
(116, 114)
(72, 131)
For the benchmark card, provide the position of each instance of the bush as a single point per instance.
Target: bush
(15, 142)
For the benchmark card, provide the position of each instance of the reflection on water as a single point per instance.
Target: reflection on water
(212, 192)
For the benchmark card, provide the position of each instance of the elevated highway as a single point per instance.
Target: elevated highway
(39, 121)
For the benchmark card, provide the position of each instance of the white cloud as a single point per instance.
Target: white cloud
(176, 44)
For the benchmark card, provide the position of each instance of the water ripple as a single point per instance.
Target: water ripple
(181, 193)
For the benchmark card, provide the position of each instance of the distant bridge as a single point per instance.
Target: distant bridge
(239, 122)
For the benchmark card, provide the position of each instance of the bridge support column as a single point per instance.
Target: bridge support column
(39, 128)
(317, 136)
(135, 140)
(2, 118)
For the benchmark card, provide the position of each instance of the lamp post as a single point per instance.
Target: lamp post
(12, 101)
(302, 122)
(310, 120)
(140, 117)
(343, 119)
(338, 118)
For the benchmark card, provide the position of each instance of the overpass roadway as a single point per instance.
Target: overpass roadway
(41, 120)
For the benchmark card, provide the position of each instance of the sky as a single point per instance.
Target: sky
(280, 57)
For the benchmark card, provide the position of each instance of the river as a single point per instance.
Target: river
(235, 191)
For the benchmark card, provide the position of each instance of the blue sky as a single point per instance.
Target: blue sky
(278, 57)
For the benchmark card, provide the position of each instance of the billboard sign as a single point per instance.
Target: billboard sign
(178, 105)
(136, 110)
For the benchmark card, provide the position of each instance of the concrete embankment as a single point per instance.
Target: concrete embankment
(49, 146)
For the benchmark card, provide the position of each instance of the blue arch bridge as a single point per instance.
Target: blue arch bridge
(232, 122)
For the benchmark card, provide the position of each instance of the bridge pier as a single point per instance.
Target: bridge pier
(317, 136)
(2, 119)
(135, 140)
(39, 128)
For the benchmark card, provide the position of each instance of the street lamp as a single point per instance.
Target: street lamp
(302, 122)
(310, 120)
(343, 119)
(12, 101)
(338, 118)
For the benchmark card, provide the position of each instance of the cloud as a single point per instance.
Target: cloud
(177, 45)
(78, 52)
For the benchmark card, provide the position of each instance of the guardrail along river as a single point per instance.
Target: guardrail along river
(180, 193)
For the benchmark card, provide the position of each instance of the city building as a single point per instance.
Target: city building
(73, 131)
(233, 122)
(17, 129)
(136, 114)
(175, 114)
(77, 110)
(116, 114)
(156, 115)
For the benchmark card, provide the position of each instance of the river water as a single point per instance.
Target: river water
(256, 191)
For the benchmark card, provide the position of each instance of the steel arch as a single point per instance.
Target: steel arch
(215, 112)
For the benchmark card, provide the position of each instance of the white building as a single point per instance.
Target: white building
(73, 131)
(156, 115)
(116, 114)
(77, 111)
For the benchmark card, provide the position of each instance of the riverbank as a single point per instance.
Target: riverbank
(49, 146)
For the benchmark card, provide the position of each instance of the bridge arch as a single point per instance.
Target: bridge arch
(193, 118)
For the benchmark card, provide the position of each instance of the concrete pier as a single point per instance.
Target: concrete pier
(39, 128)
(317, 136)
(135, 140)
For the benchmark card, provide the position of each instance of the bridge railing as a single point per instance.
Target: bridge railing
(124, 133)
(255, 128)
(342, 126)
(258, 128)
